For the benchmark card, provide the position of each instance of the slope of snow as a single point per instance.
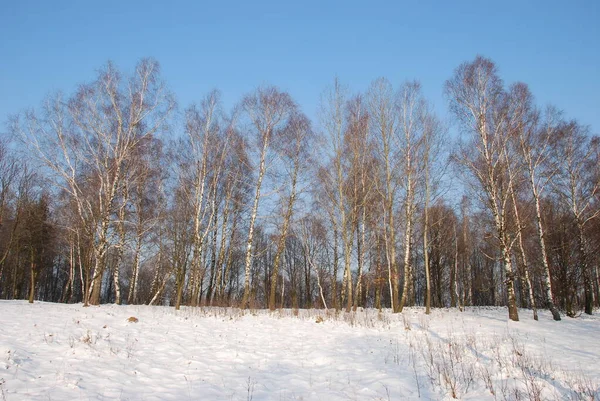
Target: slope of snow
(68, 352)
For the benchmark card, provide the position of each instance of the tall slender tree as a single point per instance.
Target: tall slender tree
(382, 107)
(268, 111)
(478, 101)
(292, 146)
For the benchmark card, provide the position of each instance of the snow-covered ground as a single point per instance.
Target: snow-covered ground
(68, 352)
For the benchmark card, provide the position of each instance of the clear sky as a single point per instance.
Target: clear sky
(300, 46)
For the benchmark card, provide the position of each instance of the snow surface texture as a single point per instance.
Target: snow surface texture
(68, 352)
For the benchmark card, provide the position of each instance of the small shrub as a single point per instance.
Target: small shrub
(89, 338)
(406, 321)
(2, 389)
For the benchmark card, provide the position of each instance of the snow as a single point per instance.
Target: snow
(69, 352)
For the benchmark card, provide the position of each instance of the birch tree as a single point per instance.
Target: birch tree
(534, 136)
(293, 149)
(92, 134)
(205, 156)
(361, 153)
(432, 141)
(148, 203)
(236, 196)
(578, 186)
(333, 119)
(268, 111)
(382, 107)
(478, 101)
(411, 126)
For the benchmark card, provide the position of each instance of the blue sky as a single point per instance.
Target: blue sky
(300, 46)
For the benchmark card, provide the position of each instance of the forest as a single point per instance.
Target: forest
(116, 194)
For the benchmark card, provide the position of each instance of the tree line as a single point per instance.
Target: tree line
(111, 195)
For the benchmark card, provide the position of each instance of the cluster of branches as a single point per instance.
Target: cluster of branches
(104, 199)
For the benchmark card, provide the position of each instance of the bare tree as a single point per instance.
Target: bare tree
(236, 194)
(432, 142)
(361, 154)
(92, 135)
(478, 101)
(335, 176)
(313, 235)
(201, 172)
(520, 226)
(10, 170)
(268, 111)
(578, 187)
(292, 146)
(325, 196)
(382, 106)
(26, 233)
(148, 201)
(412, 115)
(534, 141)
